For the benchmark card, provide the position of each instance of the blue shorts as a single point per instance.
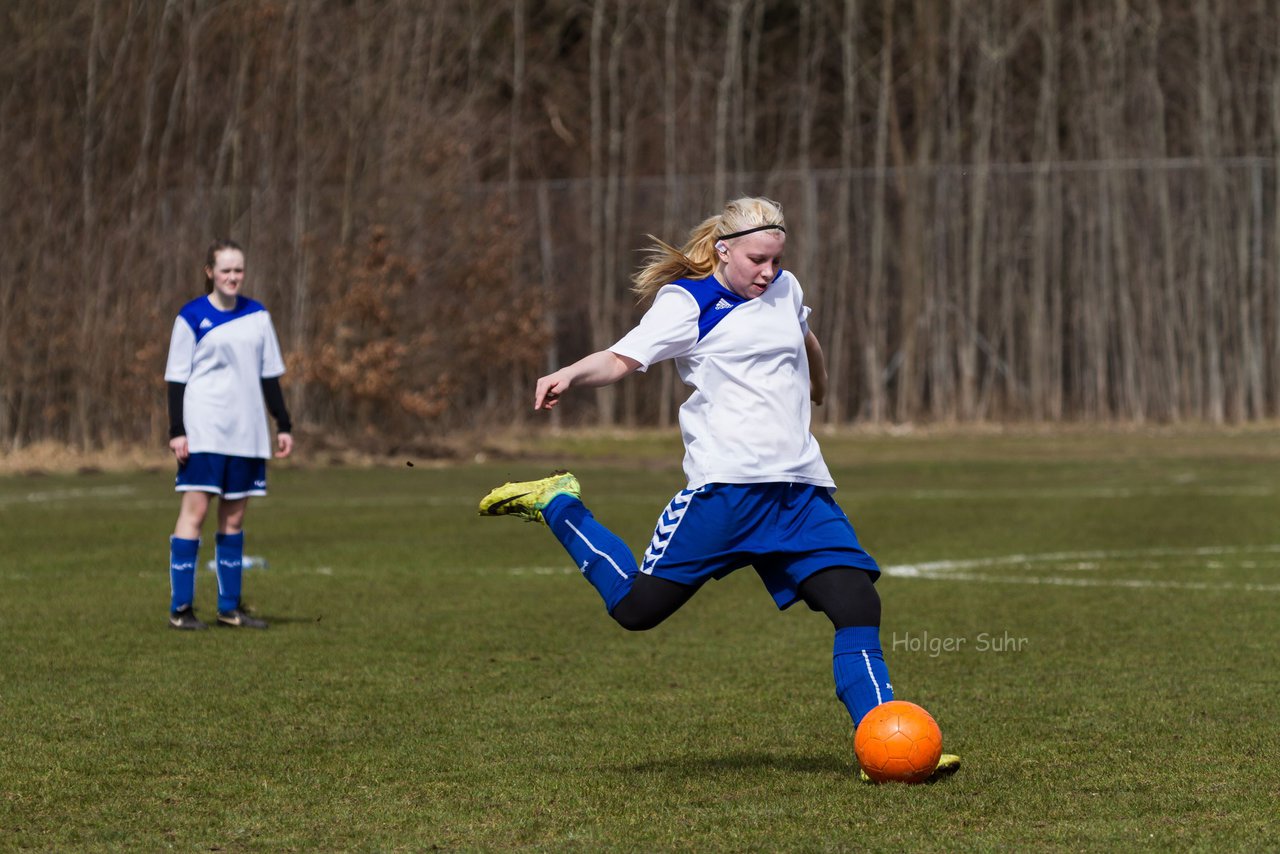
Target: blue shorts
(221, 474)
(787, 531)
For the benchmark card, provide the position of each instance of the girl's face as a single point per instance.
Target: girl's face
(227, 273)
(749, 263)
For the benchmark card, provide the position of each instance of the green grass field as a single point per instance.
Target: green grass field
(1091, 618)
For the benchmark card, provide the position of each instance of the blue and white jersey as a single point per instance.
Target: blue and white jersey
(222, 356)
(747, 420)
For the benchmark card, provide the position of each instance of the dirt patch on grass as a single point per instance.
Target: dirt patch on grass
(57, 458)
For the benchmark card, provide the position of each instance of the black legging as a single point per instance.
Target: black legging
(650, 601)
(846, 595)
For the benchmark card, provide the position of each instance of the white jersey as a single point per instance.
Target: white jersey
(747, 420)
(223, 356)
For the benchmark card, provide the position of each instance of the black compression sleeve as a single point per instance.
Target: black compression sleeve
(275, 404)
(176, 426)
(651, 600)
(845, 594)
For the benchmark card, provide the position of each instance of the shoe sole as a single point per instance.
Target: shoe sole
(494, 509)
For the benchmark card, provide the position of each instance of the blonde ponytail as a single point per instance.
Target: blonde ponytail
(697, 258)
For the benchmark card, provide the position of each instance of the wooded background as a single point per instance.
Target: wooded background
(999, 210)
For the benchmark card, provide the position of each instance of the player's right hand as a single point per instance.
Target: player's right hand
(549, 390)
(178, 445)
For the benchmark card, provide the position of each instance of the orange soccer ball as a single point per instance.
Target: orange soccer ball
(898, 742)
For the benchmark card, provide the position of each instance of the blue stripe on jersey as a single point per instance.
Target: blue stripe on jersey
(715, 301)
(203, 318)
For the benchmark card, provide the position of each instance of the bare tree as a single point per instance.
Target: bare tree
(1208, 34)
(726, 94)
(835, 338)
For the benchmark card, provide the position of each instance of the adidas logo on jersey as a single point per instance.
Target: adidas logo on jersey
(723, 304)
(206, 324)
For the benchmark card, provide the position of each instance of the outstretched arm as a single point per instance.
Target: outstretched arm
(817, 369)
(601, 368)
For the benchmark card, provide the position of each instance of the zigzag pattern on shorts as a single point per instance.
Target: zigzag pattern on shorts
(666, 527)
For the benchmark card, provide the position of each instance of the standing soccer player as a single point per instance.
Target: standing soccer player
(759, 492)
(224, 362)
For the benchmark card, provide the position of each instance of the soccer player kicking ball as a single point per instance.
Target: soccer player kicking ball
(759, 491)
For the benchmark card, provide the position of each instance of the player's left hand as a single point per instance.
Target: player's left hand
(284, 444)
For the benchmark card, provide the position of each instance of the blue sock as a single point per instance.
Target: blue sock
(230, 555)
(182, 572)
(602, 557)
(862, 679)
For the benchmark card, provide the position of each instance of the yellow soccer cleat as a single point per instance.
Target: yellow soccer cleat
(527, 498)
(948, 764)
